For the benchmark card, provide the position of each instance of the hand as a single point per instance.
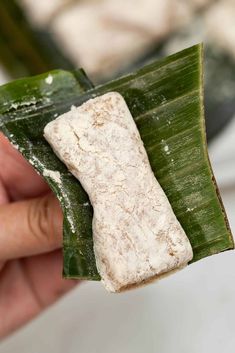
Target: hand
(30, 242)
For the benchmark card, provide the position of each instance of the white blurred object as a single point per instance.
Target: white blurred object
(182, 14)
(40, 12)
(4, 78)
(148, 16)
(198, 4)
(220, 23)
(105, 36)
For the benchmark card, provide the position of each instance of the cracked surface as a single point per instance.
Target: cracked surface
(136, 234)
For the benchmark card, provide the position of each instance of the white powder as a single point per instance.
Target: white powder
(47, 99)
(49, 79)
(166, 149)
(69, 210)
(17, 105)
(54, 175)
(36, 162)
(190, 209)
(14, 106)
(15, 146)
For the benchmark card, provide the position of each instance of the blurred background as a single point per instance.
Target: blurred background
(193, 310)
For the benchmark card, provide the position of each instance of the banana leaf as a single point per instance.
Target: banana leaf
(166, 102)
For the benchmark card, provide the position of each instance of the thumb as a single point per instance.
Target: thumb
(30, 227)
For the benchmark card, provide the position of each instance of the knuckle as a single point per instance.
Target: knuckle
(40, 221)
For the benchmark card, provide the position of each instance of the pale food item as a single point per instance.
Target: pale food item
(137, 237)
(41, 13)
(222, 35)
(106, 36)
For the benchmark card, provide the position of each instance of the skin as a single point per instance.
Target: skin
(30, 242)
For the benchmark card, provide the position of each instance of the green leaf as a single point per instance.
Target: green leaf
(26, 106)
(166, 101)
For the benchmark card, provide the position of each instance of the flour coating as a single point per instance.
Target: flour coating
(136, 234)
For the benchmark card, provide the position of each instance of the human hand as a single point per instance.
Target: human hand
(30, 242)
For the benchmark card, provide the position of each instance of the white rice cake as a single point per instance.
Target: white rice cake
(108, 35)
(136, 235)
